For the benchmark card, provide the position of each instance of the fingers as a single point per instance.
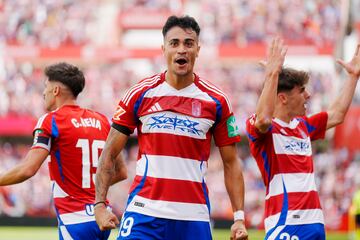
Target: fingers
(262, 63)
(357, 50)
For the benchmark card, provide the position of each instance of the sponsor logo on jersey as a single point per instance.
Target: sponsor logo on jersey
(176, 123)
(86, 122)
(232, 128)
(297, 146)
(292, 145)
(196, 108)
(118, 112)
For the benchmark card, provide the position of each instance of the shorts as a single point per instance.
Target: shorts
(315, 231)
(138, 226)
(82, 231)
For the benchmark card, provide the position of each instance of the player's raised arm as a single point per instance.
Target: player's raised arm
(234, 183)
(105, 174)
(339, 107)
(26, 168)
(266, 104)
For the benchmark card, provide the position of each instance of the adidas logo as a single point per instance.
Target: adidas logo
(155, 108)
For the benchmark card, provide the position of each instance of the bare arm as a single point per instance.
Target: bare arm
(340, 106)
(266, 103)
(120, 170)
(26, 168)
(234, 183)
(106, 174)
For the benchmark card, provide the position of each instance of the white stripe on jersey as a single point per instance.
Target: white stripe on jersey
(217, 91)
(191, 91)
(176, 124)
(294, 182)
(40, 121)
(76, 217)
(291, 145)
(161, 209)
(64, 233)
(136, 86)
(139, 87)
(58, 192)
(171, 168)
(276, 232)
(292, 125)
(302, 217)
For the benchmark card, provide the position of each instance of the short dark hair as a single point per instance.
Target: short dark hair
(184, 22)
(69, 75)
(289, 78)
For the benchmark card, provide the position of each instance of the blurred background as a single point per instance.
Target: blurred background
(117, 43)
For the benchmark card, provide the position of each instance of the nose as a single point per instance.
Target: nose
(181, 48)
(307, 94)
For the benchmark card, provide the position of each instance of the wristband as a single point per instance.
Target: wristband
(239, 215)
(100, 202)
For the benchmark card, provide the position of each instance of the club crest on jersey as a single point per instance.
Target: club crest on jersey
(119, 111)
(196, 108)
(232, 128)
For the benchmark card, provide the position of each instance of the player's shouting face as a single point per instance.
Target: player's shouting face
(181, 48)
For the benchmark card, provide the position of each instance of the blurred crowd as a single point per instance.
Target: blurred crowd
(36, 22)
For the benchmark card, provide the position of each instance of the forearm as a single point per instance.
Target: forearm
(120, 170)
(340, 106)
(234, 183)
(266, 103)
(104, 176)
(16, 175)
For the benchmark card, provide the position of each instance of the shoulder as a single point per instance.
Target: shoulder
(142, 86)
(212, 90)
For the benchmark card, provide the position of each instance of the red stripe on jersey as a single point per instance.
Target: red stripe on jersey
(170, 190)
(296, 201)
(69, 205)
(177, 146)
(184, 105)
(291, 164)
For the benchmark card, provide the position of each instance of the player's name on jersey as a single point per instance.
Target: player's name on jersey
(86, 122)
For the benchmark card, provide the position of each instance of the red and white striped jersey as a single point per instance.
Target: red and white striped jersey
(74, 138)
(284, 157)
(174, 133)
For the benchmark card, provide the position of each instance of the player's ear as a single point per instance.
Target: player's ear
(56, 90)
(163, 49)
(282, 97)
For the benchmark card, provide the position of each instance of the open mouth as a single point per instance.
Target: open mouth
(181, 61)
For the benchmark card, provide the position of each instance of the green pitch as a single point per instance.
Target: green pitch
(46, 233)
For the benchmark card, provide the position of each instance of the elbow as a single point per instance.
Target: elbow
(27, 173)
(123, 174)
(263, 123)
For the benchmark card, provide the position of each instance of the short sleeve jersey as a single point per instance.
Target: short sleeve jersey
(174, 129)
(74, 138)
(284, 157)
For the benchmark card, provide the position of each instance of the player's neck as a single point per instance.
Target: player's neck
(179, 82)
(67, 101)
(282, 115)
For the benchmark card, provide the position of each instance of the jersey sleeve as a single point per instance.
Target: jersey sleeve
(252, 132)
(124, 118)
(42, 133)
(316, 125)
(226, 130)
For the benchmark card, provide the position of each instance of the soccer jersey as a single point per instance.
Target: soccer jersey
(74, 138)
(174, 130)
(284, 157)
